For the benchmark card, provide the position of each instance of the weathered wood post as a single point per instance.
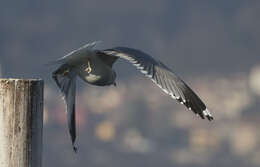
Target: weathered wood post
(21, 119)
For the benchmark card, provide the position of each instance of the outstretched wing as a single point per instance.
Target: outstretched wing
(76, 56)
(65, 79)
(163, 77)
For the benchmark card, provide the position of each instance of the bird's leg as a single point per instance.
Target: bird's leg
(88, 69)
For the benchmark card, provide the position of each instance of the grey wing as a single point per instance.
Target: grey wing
(164, 78)
(76, 56)
(65, 79)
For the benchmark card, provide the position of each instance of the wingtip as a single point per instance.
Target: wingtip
(210, 118)
(75, 149)
(207, 114)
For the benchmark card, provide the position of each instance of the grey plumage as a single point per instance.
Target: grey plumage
(95, 67)
(67, 85)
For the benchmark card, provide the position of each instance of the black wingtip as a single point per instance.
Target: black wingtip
(73, 139)
(210, 118)
(207, 114)
(75, 149)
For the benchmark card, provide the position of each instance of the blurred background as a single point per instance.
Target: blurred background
(213, 45)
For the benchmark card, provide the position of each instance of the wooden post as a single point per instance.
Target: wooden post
(21, 119)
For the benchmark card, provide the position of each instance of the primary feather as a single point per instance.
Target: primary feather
(164, 78)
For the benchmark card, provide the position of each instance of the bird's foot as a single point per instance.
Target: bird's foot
(66, 72)
(88, 69)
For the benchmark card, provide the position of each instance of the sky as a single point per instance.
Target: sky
(219, 37)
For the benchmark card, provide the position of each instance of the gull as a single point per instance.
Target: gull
(96, 68)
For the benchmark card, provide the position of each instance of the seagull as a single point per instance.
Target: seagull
(96, 68)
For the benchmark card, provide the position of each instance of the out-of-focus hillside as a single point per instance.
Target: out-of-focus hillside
(138, 122)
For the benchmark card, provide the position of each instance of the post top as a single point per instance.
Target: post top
(14, 80)
(19, 79)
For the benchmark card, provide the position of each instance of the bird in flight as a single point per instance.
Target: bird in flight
(96, 67)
